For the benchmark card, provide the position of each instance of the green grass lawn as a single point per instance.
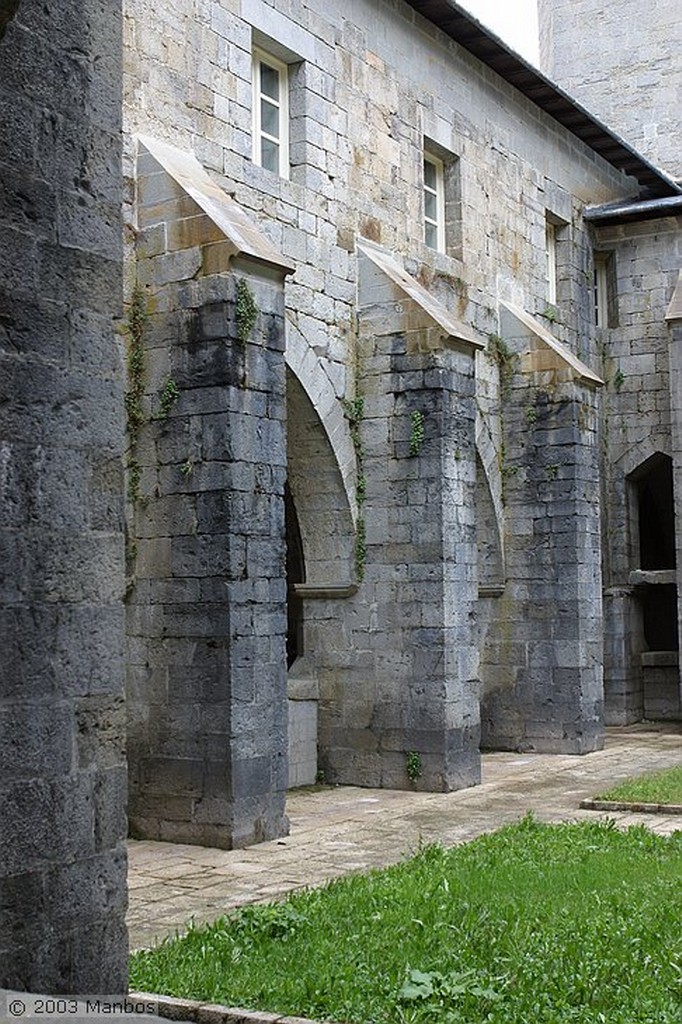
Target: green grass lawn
(534, 924)
(658, 788)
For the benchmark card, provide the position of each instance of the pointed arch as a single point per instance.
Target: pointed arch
(310, 374)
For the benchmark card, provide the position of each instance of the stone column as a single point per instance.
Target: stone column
(405, 710)
(623, 646)
(545, 647)
(674, 320)
(207, 602)
(62, 721)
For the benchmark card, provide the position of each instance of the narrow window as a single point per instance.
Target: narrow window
(600, 293)
(270, 114)
(550, 249)
(434, 203)
(604, 290)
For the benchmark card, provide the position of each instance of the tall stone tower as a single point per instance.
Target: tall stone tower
(622, 61)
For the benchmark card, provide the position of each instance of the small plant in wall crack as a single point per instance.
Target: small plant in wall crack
(354, 411)
(413, 765)
(168, 398)
(416, 432)
(550, 314)
(500, 353)
(138, 316)
(246, 310)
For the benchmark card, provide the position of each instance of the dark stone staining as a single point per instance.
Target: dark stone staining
(62, 790)
(8, 8)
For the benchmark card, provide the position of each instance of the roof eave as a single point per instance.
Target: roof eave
(492, 51)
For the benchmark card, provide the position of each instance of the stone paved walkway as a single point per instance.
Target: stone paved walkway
(336, 831)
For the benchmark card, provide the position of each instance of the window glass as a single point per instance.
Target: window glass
(270, 114)
(434, 203)
(269, 81)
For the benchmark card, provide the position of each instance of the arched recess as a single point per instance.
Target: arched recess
(652, 505)
(320, 560)
(491, 573)
(318, 492)
(652, 511)
(308, 371)
(642, 642)
(489, 511)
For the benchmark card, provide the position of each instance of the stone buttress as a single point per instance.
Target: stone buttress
(207, 603)
(542, 654)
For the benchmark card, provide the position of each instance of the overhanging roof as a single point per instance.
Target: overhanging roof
(482, 43)
(622, 212)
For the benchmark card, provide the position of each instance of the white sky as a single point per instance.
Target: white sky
(514, 21)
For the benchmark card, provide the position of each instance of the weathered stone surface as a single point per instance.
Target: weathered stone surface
(62, 765)
(627, 72)
(208, 746)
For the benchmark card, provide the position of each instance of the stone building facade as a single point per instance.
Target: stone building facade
(403, 429)
(376, 517)
(629, 73)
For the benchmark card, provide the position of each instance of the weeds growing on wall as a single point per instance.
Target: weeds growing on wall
(169, 396)
(413, 765)
(416, 432)
(138, 316)
(246, 310)
(505, 360)
(354, 411)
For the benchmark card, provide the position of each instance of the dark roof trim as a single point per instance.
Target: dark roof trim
(473, 36)
(620, 213)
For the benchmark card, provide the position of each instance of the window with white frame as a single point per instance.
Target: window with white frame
(551, 254)
(604, 290)
(270, 113)
(434, 202)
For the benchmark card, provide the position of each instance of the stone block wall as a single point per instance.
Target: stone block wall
(62, 757)
(638, 413)
(620, 61)
(404, 678)
(366, 96)
(207, 603)
(543, 646)
(302, 743)
(360, 113)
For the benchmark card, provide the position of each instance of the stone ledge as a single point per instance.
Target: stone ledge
(193, 1011)
(326, 591)
(635, 808)
(659, 659)
(652, 577)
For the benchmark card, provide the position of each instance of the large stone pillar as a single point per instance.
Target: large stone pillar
(406, 712)
(207, 599)
(543, 665)
(62, 722)
(674, 320)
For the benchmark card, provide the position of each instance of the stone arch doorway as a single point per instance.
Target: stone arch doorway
(320, 535)
(654, 585)
(295, 569)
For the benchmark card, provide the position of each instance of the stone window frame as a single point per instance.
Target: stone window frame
(557, 234)
(280, 102)
(550, 256)
(604, 288)
(447, 190)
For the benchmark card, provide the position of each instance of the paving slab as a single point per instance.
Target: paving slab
(336, 831)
